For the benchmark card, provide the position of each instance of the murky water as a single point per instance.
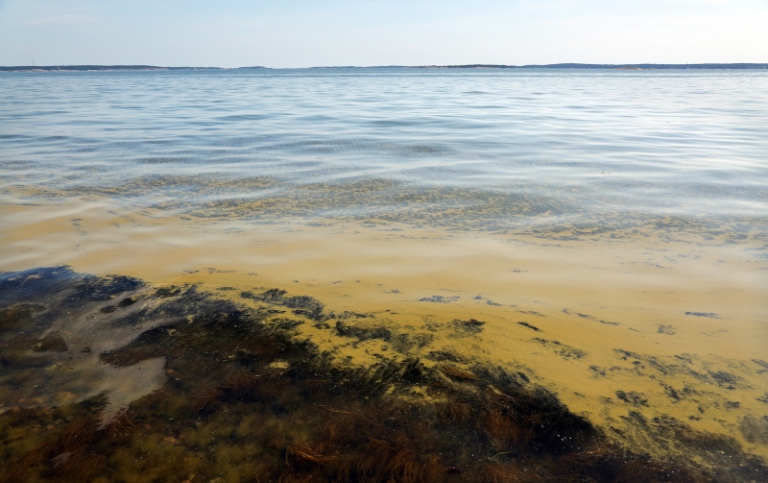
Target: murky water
(601, 236)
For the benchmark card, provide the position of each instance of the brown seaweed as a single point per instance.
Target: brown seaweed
(244, 400)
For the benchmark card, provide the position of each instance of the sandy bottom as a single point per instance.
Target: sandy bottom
(634, 334)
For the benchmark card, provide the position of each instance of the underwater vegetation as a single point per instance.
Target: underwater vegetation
(110, 379)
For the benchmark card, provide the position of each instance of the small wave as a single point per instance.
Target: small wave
(242, 117)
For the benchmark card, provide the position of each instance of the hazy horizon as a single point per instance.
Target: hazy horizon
(236, 33)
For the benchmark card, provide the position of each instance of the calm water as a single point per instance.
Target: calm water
(481, 148)
(323, 250)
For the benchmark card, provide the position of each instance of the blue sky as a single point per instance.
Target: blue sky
(300, 33)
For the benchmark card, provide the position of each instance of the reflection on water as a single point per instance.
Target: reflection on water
(468, 275)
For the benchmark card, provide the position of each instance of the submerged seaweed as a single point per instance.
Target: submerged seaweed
(241, 399)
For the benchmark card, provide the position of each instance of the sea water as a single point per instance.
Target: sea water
(608, 229)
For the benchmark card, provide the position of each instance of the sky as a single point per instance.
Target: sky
(302, 33)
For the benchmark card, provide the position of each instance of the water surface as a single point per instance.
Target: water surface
(609, 228)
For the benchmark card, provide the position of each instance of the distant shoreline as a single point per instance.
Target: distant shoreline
(86, 68)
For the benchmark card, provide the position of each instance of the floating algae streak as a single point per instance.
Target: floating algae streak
(118, 380)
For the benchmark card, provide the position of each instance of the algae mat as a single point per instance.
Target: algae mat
(113, 379)
(637, 351)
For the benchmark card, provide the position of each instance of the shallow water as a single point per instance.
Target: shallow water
(609, 228)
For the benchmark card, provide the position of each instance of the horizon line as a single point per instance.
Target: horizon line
(647, 65)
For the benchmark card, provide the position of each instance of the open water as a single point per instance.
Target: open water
(546, 147)
(606, 231)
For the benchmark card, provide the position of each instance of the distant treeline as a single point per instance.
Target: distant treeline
(95, 67)
(611, 66)
(50, 68)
